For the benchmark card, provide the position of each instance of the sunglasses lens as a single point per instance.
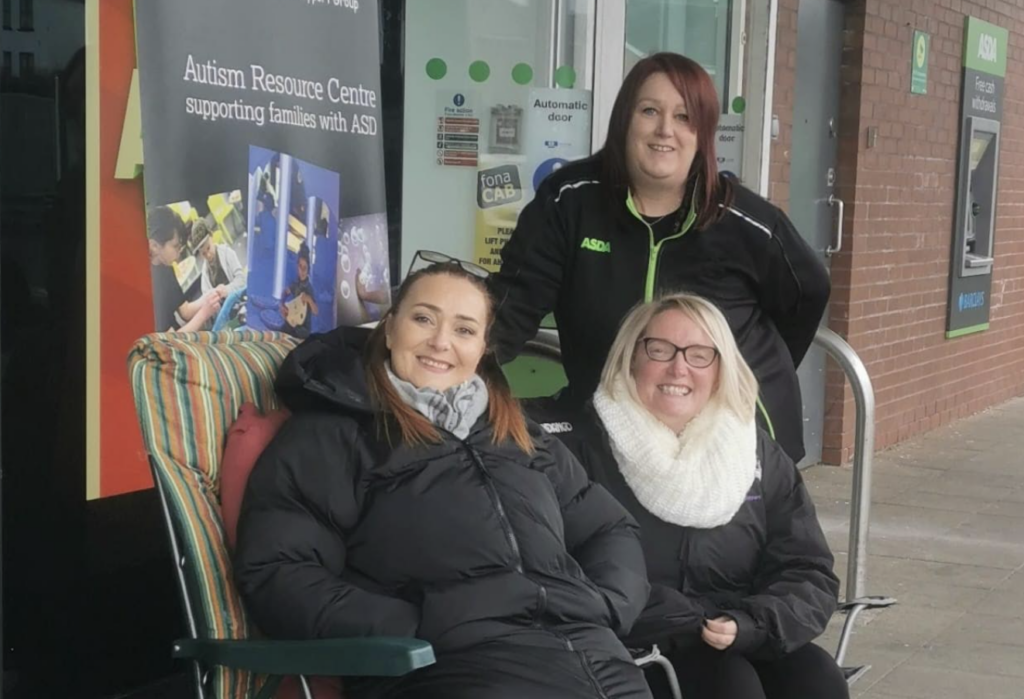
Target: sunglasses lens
(476, 270)
(431, 256)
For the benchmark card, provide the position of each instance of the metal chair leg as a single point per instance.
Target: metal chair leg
(670, 673)
(852, 609)
(197, 675)
(655, 657)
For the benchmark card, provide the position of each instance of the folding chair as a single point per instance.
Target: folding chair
(188, 389)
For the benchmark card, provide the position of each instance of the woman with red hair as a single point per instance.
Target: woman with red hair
(650, 214)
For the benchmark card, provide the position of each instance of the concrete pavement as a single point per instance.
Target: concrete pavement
(947, 540)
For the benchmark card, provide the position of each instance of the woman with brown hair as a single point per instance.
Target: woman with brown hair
(650, 214)
(408, 496)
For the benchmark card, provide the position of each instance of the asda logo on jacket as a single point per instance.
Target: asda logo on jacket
(596, 245)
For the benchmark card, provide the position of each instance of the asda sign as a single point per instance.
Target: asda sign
(985, 47)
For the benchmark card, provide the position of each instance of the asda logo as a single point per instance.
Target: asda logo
(596, 245)
(988, 48)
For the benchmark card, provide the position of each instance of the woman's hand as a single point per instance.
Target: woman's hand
(719, 633)
(311, 303)
(210, 305)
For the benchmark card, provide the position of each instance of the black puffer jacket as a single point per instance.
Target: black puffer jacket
(458, 543)
(770, 568)
(584, 253)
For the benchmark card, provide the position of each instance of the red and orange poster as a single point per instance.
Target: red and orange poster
(118, 290)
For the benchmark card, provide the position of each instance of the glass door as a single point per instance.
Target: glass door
(498, 94)
(484, 98)
(730, 40)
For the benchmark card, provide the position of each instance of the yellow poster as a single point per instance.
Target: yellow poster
(491, 235)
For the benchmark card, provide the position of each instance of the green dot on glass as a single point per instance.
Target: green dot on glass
(479, 71)
(739, 105)
(565, 77)
(436, 69)
(522, 74)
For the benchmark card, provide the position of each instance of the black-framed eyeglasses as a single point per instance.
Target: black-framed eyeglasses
(697, 356)
(432, 257)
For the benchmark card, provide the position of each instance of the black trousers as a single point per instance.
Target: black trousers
(507, 671)
(706, 673)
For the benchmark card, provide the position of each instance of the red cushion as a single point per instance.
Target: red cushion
(248, 437)
(320, 687)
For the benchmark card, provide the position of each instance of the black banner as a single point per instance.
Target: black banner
(264, 170)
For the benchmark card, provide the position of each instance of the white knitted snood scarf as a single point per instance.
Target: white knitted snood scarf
(699, 478)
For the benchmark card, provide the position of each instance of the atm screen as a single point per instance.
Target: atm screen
(980, 142)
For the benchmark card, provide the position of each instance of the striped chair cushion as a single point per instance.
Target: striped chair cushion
(188, 389)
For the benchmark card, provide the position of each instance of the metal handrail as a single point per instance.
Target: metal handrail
(860, 498)
(863, 456)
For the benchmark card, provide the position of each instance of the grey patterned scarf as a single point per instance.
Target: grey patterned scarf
(456, 409)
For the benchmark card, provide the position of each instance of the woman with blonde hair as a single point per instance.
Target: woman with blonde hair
(408, 496)
(740, 571)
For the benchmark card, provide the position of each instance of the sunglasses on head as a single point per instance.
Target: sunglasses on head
(432, 257)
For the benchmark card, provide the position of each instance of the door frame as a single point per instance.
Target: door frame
(609, 47)
(812, 181)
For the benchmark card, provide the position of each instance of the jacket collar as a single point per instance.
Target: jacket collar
(687, 222)
(326, 371)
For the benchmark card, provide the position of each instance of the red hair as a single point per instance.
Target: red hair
(698, 91)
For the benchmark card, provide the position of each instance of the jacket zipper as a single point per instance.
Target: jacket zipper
(684, 560)
(542, 605)
(513, 543)
(506, 526)
(655, 248)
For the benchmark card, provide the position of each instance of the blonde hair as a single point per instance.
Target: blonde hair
(736, 388)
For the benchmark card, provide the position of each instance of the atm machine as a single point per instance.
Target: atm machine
(974, 224)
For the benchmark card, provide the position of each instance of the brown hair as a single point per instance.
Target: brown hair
(503, 409)
(698, 91)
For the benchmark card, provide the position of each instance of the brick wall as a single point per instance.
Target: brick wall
(890, 283)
